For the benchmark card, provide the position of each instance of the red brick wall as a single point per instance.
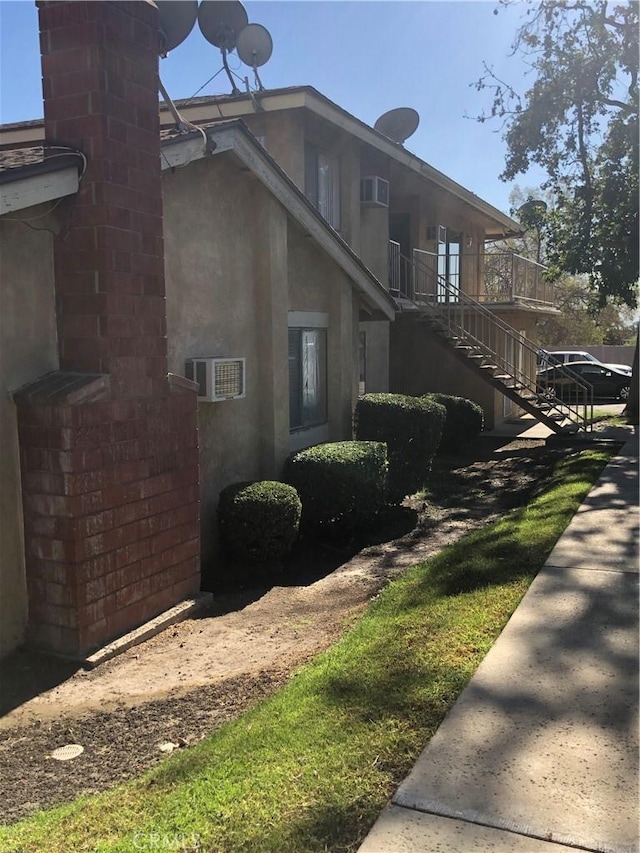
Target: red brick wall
(99, 69)
(111, 514)
(110, 488)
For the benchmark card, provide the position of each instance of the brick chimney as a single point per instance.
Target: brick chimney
(109, 449)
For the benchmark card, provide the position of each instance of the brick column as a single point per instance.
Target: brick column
(108, 450)
(100, 72)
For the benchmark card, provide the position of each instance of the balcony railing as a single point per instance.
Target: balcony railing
(504, 355)
(498, 278)
(508, 277)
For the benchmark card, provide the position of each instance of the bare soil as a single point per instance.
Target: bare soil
(176, 688)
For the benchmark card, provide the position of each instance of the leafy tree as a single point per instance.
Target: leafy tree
(579, 324)
(532, 243)
(579, 122)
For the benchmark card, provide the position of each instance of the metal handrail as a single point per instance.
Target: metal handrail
(475, 325)
(507, 276)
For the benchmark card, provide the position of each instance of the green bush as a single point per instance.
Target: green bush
(465, 420)
(411, 427)
(342, 484)
(258, 521)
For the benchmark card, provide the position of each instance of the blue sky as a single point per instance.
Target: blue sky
(368, 56)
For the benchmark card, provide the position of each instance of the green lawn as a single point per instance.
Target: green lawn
(310, 769)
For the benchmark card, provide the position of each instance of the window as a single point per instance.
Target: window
(307, 377)
(362, 359)
(322, 183)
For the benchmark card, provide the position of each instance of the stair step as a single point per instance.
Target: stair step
(535, 399)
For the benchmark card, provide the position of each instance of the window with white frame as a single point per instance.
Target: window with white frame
(322, 183)
(307, 377)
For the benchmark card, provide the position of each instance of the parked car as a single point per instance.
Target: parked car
(545, 358)
(566, 384)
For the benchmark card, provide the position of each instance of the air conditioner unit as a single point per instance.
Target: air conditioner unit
(219, 378)
(374, 191)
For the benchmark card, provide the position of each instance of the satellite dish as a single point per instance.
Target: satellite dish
(254, 45)
(398, 124)
(221, 21)
(176, 20)
(533, 207)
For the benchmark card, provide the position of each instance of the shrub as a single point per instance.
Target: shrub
(411, 427)
(341, 484)
(464, 422)
(258, 521)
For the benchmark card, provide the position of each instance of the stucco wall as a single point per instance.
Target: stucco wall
(283, 135)
(316, 284)
(377, 356)
(28, 349)
(235, 266)
(365, 229)
(419, 365)
(374, 241)
(212, 310)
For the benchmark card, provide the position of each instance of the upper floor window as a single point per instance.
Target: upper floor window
(322, 183)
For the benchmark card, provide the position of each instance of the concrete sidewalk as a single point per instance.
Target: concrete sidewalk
(540, 753)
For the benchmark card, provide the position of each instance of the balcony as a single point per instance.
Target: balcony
(508, 277)
(490, 278)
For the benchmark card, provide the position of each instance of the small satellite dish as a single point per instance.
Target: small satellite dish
(176, 18)
(398, 124)
(221, 21)
(254, 45)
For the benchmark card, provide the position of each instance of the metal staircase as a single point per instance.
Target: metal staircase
(493, 349)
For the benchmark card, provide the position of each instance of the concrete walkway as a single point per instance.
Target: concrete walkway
(540, 753)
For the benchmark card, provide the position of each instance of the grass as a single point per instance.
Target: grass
(611, 419)
(309, 770)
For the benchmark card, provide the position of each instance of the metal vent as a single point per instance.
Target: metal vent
(228, 378)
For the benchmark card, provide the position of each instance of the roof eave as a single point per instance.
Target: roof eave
(30, 186)
(313, 100)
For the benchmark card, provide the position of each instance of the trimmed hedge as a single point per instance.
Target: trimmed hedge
(465, 420)
(258, 521)
(411, 427)
(341, 484)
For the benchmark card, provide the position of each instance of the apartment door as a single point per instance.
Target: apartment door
(400, 232)
(449, 248)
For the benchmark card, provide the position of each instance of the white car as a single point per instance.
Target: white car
(567, 356)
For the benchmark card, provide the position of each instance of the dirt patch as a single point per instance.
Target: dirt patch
(187, 681)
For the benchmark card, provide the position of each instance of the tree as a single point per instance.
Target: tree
(582, 321)
(579, 122)
(579, 323)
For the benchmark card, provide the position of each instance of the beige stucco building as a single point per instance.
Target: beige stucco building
(297, 243)
(253, 272)
(419, 229)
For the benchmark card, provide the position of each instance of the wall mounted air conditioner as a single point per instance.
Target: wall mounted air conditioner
(219, 378)
(374, 191)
